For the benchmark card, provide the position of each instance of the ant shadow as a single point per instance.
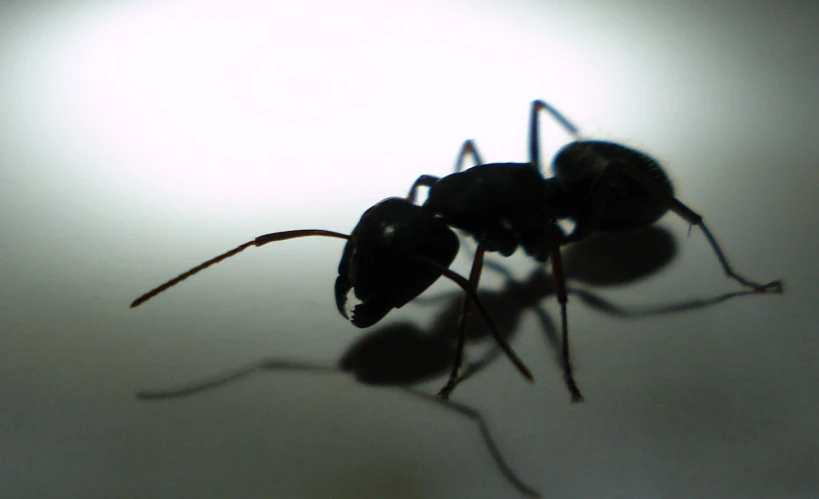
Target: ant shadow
(404, 354)
(401, 355)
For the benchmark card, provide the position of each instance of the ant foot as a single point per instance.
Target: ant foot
(776, 286)
(446, 391)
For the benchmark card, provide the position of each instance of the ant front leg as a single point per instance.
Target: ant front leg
(598, 196)
(423, 180)
(467, 149)
(466, 312)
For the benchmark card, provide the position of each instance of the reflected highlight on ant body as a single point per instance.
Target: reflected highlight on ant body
(399, 248)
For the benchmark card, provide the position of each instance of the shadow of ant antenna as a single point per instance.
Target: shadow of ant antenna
(233, 376)
(285, 364)
(367, 356)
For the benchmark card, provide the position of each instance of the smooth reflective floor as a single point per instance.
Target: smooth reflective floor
(138, 139)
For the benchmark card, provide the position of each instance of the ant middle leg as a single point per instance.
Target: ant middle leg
(598, 196)
(468, 149)
(562, 297)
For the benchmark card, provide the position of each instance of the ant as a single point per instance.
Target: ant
(399, 248)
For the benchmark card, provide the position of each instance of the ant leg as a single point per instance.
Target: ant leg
(466, 312)
(464, 284)
(562, 298)
(469, 148)
(425, 180)
(599, 193)
(534, 135)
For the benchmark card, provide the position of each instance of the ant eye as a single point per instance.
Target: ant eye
(567, 225)
(388, 232)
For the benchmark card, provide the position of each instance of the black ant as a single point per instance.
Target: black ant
(398, 249)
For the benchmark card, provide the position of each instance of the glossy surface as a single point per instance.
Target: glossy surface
(138, 139)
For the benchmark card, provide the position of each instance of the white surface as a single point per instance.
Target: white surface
(137, 139)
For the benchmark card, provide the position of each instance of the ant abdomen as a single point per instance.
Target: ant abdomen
(579, 165)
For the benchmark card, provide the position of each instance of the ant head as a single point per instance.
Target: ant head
(396, 251)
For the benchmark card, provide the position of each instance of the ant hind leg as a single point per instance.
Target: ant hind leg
(599, 194)
(534, 133)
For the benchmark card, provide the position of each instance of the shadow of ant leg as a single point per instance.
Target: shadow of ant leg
(541, 285)
(598, 196)
(270, 365)
(596, 302)
(494, 450)
(549, 329)
(522, 295)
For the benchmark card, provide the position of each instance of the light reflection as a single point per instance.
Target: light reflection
(218, 104)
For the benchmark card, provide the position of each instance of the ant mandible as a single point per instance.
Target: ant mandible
(398, 248)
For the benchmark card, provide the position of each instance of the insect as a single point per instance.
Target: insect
(399, 248)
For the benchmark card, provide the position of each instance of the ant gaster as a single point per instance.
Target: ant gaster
(398, 248)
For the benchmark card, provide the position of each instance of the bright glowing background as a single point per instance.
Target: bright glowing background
(137, 139)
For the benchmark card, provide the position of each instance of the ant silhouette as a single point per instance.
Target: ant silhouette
(382, 358)
(398, 248)
(403, 353)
